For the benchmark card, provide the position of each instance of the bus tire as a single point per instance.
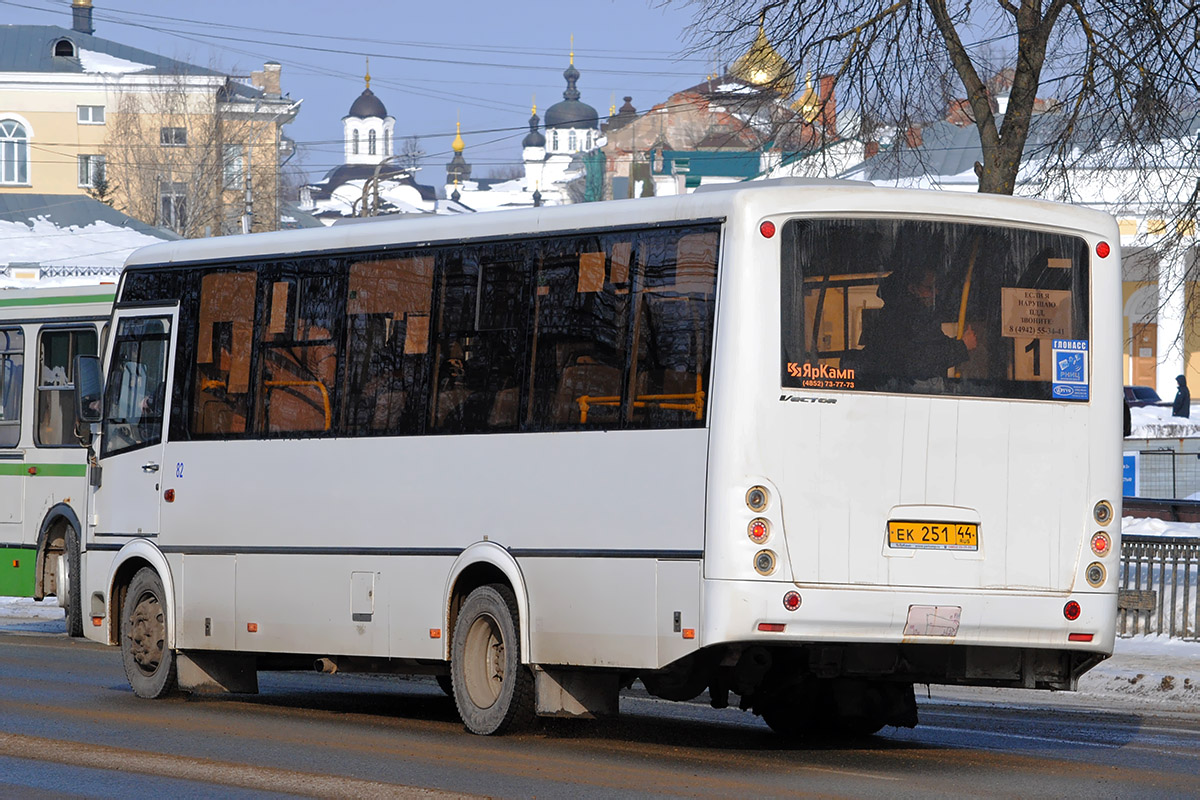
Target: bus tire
(149, 663)
(493, 690)
(73, 585)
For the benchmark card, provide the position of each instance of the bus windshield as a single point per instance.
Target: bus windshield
(932, 307)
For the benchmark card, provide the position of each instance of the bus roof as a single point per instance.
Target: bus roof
(787, 195)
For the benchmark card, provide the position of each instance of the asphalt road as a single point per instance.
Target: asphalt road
(70, 727)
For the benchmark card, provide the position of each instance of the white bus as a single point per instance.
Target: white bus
(806, 443)
(42, 465)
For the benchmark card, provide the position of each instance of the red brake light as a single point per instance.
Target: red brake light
(767, 229)
(1103, 249)
(791, 601)
(1071, 610)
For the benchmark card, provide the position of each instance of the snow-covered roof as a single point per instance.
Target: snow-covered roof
(57, 240)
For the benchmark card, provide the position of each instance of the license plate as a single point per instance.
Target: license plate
(933, 535)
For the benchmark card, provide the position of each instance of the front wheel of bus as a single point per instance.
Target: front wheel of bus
(492, 688)
(149, 663)
(69, 585)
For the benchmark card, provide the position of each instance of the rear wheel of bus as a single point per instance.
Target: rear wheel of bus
(149, 663)
(493, 690)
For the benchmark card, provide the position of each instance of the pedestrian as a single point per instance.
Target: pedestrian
(1182, 407)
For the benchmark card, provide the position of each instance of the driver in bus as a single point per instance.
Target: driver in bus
(905, 339)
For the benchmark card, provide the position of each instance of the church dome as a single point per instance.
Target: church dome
(570, 112)
(367, 105)
(762, 66)
(534, 138)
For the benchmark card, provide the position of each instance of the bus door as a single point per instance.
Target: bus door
(137, 395)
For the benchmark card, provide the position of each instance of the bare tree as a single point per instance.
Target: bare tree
(186, 159)
(411, 153)
(1122, 70)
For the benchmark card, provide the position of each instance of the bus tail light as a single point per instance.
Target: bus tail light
(767, 229)
(1101, 543)
(764, 562)
(1095, 574)
(1071, 610)
(1103, 512)
(1102, 249)
(771, 627)
(756, 499)
(1079, 637)
(758, 530)
(791, 601)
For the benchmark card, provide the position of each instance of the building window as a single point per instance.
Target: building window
(64, 48)
(173, 137)
(571, 141)
(233, 166)
(91, 115)
(14, 152)
(371, 143)
(354, 143)
(172, 205)
(554, 140)
(91, 170)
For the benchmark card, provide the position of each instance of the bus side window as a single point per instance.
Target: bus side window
(221, 383)
(56, 384)
(12, 357)
(673, 328)
(387, 335)
(298, 354)
(577, 359)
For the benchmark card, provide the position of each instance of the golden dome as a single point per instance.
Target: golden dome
(809, 104)
(763, 66)
(458, 144)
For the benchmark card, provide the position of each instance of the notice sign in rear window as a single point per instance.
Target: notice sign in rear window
(1070, 358)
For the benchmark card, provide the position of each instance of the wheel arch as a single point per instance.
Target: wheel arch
(478, 565)
(128, 560)
(58, 517)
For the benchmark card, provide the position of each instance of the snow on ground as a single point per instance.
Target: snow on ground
(1156, 422)
(1148, 526)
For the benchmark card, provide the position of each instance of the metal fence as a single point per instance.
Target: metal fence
(1168, 474)
(1157, 593)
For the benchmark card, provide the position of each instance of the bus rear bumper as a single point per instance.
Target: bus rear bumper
(754, 612)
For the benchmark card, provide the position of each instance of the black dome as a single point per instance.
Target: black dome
(534, 138)
(367, 105)
(570, 112)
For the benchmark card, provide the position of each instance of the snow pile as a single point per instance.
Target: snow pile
(91, 61)
(1139, 526)
(1156, 422)
(1148, 670)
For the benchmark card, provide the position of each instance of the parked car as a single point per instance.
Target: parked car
(1138, 396)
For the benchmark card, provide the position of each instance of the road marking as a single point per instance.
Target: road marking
(205, 771)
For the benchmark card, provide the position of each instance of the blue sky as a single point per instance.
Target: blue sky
(432, 61)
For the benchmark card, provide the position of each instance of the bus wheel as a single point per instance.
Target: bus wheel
(492, 689)
(149, 663)
(71, 584)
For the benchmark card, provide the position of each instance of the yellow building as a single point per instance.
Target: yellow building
(169, 143)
